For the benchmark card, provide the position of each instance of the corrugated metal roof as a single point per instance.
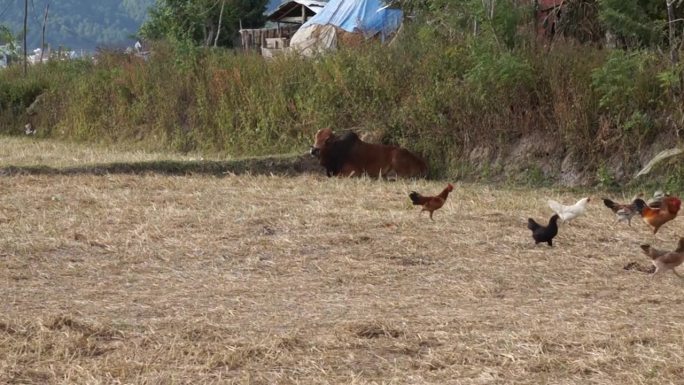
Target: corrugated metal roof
(313, 5)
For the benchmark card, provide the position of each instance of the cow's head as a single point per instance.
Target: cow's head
(322, 137)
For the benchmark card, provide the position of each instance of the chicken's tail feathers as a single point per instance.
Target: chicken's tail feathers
(680, 245)
(532, 224)
(416, 198)
(610, 204)
(555, 206)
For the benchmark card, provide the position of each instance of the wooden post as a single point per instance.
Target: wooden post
(42, 38)
(218, 32)
(25, 22)
(674, 56)
(303, 14)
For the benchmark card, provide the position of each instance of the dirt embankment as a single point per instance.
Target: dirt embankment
(540, 157)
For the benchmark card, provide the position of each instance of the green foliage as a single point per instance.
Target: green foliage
(18, 95)
(8, 43)
(638, 122)
(534, 176)
(6, 36)
(618, 81)
(637, 23)
(505, 19)
(17, 92)
(496, 73)
(670, 79)
(605, 178)
(498, 21)
(197, 21)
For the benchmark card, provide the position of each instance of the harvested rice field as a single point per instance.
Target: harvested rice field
(263, 279)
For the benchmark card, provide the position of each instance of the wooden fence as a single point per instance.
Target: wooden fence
(255, 39)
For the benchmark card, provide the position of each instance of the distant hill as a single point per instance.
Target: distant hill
(78, 24)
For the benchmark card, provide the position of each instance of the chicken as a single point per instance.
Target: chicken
(429, 203)
(568, 213)
(656, 217)
(29, 129)
(544, 233)
(652, 252)
(680, 246)
(623, 212)
(657, 199)
(665, 260)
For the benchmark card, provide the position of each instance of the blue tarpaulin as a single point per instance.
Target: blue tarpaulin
(366, 16)
(272, 5)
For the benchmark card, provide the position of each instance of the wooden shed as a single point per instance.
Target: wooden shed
(283, 22)
(296, 11)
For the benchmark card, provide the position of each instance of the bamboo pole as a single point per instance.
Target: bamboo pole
(42, 38)
(25, 22)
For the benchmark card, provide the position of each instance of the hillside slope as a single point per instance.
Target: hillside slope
(78, 24)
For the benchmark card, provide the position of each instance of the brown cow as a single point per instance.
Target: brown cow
(348, 155)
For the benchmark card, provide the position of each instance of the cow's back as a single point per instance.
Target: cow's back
(408, 165)
(373, 159)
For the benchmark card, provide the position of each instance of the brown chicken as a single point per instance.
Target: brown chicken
(623, 211)
(656, 217)
(431, 204)
(665, 260)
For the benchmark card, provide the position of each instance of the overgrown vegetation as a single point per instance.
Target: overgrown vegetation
(203, 22)
(440, 89)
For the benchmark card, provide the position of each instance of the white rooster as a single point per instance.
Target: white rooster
(568, 213)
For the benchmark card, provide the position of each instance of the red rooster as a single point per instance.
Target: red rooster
(656, 217)
(431, 203)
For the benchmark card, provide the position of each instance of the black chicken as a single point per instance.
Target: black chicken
(543, 233)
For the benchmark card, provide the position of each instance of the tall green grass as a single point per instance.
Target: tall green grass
(440, 97)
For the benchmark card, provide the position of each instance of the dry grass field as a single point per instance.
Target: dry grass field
(158, 279)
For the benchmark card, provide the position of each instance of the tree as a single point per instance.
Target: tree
(6, 37)
(8, 44)
(636, 23)
(498, 21)
(198, 21)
